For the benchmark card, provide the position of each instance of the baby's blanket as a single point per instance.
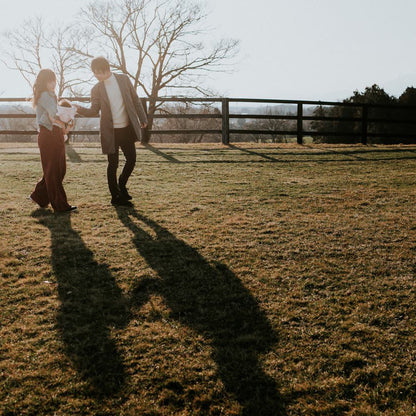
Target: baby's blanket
(66, 114)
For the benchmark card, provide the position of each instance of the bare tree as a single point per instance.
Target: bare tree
(24, 49)
(68, 65)
(36, 45)
(158, 44)
(162, 45)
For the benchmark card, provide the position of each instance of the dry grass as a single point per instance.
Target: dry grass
(256, 280)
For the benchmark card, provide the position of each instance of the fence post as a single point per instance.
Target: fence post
(364, 126)
(300, 123)
(225, 121)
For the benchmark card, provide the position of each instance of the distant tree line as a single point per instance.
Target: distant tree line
(346, 131)
(187, 108)
(343, 120)
(388, 118)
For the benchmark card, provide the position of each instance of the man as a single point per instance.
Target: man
(121, 117)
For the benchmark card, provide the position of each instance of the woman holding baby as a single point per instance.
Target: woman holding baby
(51, 145)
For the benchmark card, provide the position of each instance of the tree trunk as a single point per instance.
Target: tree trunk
(150, 111)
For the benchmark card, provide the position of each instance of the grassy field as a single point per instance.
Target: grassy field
(246, 280)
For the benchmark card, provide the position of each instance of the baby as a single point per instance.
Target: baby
(66, 113)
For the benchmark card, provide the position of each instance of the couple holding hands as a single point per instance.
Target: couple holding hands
(122, 117)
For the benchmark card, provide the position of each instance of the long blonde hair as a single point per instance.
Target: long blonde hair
(40, 85)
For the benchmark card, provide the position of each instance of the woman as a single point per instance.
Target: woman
(51, 145)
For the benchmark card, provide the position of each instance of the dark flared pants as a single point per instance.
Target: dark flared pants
(52, 155)
(124, 139)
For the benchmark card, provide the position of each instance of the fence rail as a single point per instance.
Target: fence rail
(299, 117)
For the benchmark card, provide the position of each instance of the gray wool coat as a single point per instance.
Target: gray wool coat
(100, 104)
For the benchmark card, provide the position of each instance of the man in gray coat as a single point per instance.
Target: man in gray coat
(122, 117)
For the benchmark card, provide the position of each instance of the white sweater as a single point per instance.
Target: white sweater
(118, 109)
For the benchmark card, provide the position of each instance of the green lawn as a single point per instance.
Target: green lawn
(250, 279)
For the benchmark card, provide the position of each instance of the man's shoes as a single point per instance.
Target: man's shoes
(121, 200)
(124, 193)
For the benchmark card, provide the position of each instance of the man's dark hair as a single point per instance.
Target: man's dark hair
(100, 64)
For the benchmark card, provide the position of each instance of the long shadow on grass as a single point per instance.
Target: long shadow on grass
(251, 152)
(211, 300)
(72, 154)
(91, 303)
(162, 154)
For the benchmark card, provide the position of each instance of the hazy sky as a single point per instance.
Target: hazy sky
(290, 49)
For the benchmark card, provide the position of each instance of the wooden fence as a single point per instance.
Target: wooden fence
(362, 115)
